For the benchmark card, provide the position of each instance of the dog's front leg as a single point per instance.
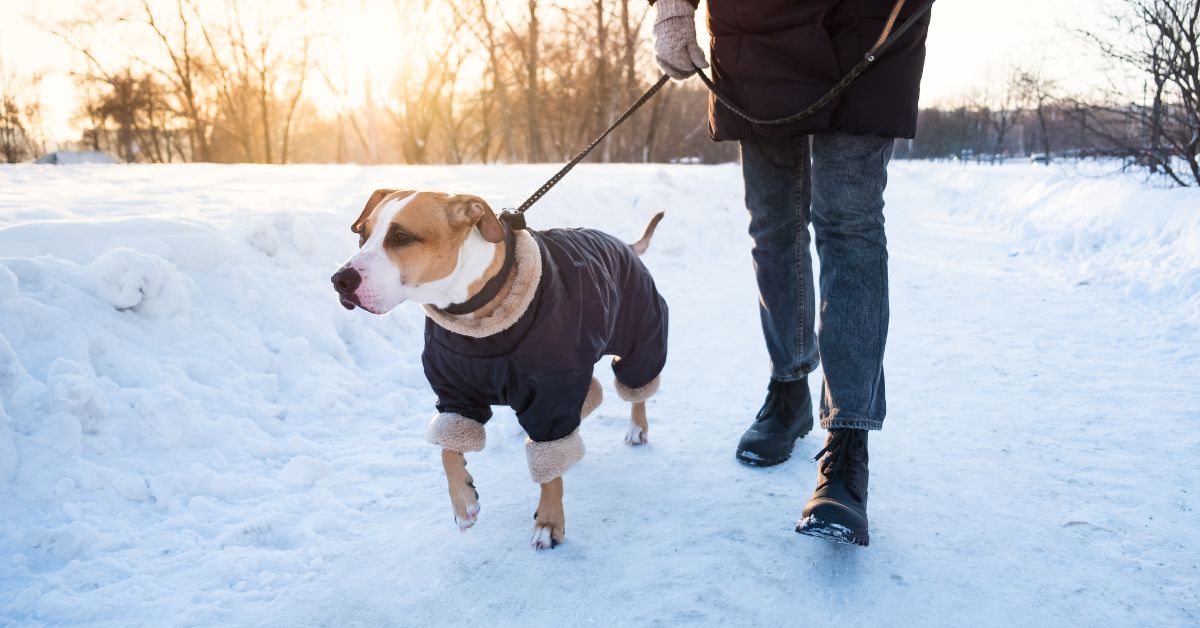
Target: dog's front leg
(639, 428)
(463, 496)
(548, 461)
(549, 528)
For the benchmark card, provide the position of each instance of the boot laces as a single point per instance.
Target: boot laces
(773, 392)
(843, 456)
(775, 396)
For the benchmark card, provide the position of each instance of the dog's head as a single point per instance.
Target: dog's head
(426, 247)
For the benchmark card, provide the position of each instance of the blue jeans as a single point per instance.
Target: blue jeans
(836, 182)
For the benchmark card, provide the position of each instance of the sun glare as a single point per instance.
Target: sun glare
(365, 49)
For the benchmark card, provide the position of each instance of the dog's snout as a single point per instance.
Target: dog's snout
(346, 280)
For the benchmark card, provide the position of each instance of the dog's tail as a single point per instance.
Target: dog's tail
(641, 245)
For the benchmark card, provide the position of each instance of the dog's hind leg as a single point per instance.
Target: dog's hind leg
(549, 527)
(639, 427)
(463, 496)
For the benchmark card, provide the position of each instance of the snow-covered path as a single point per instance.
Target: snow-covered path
(215, 440)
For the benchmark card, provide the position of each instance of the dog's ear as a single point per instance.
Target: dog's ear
(477, 212)
(376, 198)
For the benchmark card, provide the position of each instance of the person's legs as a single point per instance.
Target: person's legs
(776, 174)
(778, 195)
(849, 175)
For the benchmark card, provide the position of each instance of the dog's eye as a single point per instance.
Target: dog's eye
(398, 237)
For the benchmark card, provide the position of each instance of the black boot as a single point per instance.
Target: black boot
(838, 508)
(785, 416)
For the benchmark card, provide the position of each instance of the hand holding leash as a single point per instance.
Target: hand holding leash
(676, 50)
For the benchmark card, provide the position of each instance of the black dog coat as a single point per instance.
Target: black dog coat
(594, 298)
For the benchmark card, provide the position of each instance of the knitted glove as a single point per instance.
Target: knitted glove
(675, 48)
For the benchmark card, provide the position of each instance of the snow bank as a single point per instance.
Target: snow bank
(183, 403)
(193, 431)
(1113, 229)
(170, 363)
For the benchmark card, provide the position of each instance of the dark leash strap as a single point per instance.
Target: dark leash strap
(515, 219)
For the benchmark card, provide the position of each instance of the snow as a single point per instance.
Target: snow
(71, 157)
(1115, 230)
(193, 431)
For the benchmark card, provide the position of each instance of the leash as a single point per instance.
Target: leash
(515, 218)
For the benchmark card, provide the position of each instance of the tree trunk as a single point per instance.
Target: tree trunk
(531, 89)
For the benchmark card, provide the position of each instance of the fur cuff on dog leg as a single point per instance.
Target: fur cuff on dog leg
(595, 396)
(551, 459)
(641, 393)
(456, 433)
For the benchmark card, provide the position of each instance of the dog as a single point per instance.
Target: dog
(516, 318)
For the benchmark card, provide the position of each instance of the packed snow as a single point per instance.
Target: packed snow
(194, 432)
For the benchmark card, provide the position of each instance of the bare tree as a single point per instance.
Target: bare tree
(532, 78)
(1037, 92)
(20, 116)
(1003, 103)
(1158, 40)
(185, 71)
(425, 84)
(259, 69)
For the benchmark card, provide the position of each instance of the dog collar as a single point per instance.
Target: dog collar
(493, 286)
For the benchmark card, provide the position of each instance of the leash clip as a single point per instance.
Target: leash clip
(514, 219)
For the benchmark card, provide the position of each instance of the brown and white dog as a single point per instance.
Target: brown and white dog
(491, 296)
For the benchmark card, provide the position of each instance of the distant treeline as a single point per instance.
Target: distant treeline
(234, 83)
(510, 83)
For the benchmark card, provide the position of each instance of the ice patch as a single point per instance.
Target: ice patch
(131, 280)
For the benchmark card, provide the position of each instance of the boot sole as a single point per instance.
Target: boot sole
(745, 458)
(756, 461)
(811, 526)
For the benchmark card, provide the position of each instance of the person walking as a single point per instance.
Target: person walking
(774, 58)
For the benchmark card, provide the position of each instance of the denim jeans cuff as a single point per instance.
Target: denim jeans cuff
(793, 374)
(840, 421)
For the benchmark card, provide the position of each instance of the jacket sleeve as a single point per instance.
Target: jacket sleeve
(454, 394)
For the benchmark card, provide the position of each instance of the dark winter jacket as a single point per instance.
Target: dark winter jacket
(594, 298)
(777, 57)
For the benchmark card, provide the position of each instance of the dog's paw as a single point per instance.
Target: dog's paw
(545, 537)
(465, 500)
(467, 516)
(635, 435)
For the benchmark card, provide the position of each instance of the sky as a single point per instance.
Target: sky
(971, 42)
